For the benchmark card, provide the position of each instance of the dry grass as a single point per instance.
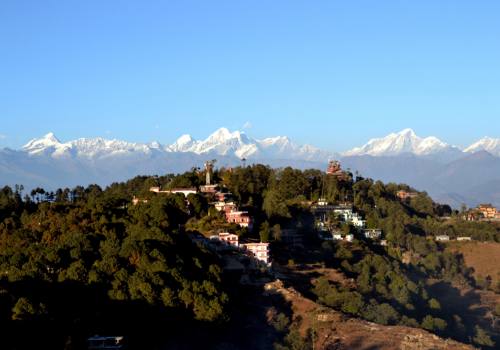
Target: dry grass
(483, 257)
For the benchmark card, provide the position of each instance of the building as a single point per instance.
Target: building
(372, 233)
(259, 251)
(223, 196)
(241, 218)
(136, 200)
(464, 238)
(185, 191)
(442, 238)
(226, 207)
(404, 195)
(229, 238)
(488, 211)
(472, 215)
(334, 169)
(209, 188)
(157, 189)
(358, 221)
(106, 342)
(349, 238)
(337, 236)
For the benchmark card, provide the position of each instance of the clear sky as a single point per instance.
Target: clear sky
(329, 73)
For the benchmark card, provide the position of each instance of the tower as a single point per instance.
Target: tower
(209, 167)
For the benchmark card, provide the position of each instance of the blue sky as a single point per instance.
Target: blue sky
(328, 73)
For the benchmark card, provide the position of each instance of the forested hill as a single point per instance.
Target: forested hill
(85, 260)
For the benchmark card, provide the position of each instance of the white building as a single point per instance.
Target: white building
(184, 191)
(347, 215)
(442, 238)
(337, 237)
(372, 233)
(358, 221)
(229, 238)
(259, 251)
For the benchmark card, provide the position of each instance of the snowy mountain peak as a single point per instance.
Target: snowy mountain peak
(51, 137)
(239, 144)
(183, 144)
(488, 144)
(408, 132)
(405, 141)
(41, 144)
(221, 134)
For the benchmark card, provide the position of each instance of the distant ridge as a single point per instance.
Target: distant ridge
(222, 142)
(448, 173)
(405, 141)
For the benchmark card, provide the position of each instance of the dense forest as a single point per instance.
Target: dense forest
(81, 261)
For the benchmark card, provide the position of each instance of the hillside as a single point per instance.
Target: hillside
(482, 257)
(150, 252)
(335, 330)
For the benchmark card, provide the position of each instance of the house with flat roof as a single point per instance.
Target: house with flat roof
(259, 251)
(241, 218)
(372, 233)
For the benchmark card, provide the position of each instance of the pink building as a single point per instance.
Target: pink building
(241, 218)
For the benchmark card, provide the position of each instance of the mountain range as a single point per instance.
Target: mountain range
(449, 173)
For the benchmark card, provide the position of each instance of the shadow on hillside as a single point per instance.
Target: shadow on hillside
(467, 306)
(78, 311)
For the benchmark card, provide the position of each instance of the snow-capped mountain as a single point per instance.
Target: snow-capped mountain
(49, 145)
(240, 145)
(403, 142)
(220, 143)
(427, 163)
(488, 144)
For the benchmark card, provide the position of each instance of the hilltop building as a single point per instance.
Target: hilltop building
(185, 191)
(404, 195)
(334, 169)
(488, 211)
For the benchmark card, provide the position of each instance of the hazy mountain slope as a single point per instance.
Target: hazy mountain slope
(444, 171)
(471, 179)
(405, 142)
(489, 144)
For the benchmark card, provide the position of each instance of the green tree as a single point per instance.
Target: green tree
(482, 338)
(264, 232)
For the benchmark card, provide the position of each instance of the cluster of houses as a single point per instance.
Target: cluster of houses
(345, 213)
(483, 212)
(224, 203)
(224, 241)
(229, 241)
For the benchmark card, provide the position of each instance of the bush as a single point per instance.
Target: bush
(433, 323)
(482, 338)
